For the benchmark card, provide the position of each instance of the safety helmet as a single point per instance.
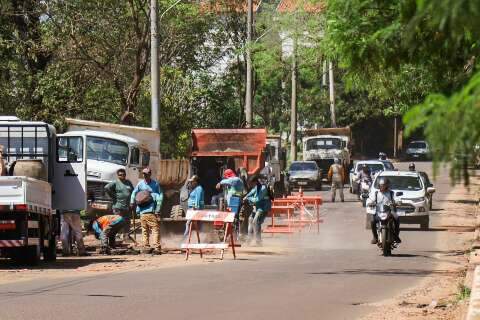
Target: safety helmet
(336, 160)
(382, 156)
(411, 166)
(365, 168)
(383, 181)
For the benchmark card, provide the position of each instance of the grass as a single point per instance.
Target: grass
(463, 293)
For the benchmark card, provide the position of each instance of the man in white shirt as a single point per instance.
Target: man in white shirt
(383, 200)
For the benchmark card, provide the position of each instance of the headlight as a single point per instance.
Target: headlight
(421, 199)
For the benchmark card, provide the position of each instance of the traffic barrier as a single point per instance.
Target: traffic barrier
(280, 228)
(215, 217)
(301, 202)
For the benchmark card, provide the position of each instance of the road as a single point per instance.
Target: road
(336, 274)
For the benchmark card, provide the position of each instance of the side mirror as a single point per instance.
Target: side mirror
(431, 190)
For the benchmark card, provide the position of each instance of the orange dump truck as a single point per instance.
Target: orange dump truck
(212, 152)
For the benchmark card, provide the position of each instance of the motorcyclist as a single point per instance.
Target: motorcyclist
(411, 167)
(382, 200)
(364, 175)
(382, 156)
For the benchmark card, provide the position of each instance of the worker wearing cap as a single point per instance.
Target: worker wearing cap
(336, 174)
(234, 187)
(260, 197)
(148, 212)
(195, 198)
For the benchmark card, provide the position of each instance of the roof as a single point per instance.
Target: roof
(308, 6)
(369, 162)
(399, 174)
(102, 134)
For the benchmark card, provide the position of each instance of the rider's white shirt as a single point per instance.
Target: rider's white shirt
(383, 199)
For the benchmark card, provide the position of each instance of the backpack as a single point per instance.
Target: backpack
(143, 198)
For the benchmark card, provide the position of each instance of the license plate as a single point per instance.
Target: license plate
(302, 183)
(401, 213)
(100, 206)
(416, 155)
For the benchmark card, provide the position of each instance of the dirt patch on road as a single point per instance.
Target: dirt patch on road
(441, 295)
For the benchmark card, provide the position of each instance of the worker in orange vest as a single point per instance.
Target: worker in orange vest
(105, 229)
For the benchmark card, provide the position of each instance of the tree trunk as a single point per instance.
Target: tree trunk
(332, 95)
(248, 87)
(293, 105)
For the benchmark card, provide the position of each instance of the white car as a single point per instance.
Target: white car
(375, 166)
(411, 195)
(418, 150)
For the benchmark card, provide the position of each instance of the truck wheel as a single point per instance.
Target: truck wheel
(425, 224)
(27, 255)
(50, 252)
(368, 221)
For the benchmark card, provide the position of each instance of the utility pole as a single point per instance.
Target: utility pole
(154, 71)
(395, 137)
(293, 104)
(248, 87)
(332, 94)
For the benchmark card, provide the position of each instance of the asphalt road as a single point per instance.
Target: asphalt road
(333, 275)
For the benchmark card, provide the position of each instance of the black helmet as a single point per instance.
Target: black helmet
(411, 166)
(382, 156)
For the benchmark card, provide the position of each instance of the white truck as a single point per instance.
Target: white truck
(44, 175)
(325, 144)
(110, 147)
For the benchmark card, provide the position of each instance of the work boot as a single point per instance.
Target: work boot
(397, 239)
(374, 241)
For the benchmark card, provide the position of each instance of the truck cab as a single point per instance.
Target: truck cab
(107, 152)
(323, 149)
(43, 175)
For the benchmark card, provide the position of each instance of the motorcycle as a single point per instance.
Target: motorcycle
(364, 191)
(386, 231)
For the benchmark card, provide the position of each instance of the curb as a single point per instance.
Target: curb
(474, 304)
(473, 273)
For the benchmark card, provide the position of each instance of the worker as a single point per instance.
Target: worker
(105, 229)
(120, 192)
(147, 197)
(261, 198)
(195, 198)
(235, 190)
(336, 174)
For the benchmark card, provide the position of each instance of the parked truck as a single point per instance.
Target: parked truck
(325, 144)
(276, 161)
(110, 147)
(44, 175)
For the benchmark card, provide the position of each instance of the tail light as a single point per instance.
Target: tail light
(21, 207)
(7, 224)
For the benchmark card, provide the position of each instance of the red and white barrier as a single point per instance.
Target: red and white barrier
(213, 216)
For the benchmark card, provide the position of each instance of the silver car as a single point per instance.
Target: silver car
(304, 174)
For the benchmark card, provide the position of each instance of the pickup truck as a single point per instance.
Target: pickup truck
(45, 175)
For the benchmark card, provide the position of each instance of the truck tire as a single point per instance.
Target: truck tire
(425, 224)
(27, 255)
(177, 212)
(368, 221)
(50, 252)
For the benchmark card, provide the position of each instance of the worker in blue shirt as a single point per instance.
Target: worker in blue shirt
(235, 190)
(195, 199)
(150, 210)
(261, 199)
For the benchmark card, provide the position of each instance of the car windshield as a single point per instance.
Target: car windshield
(403, 183)
(107, 150)
(303, 166)
(417, 145)
(324, 143)
(374, 167)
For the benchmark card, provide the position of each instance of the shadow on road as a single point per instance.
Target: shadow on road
(61, 263)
